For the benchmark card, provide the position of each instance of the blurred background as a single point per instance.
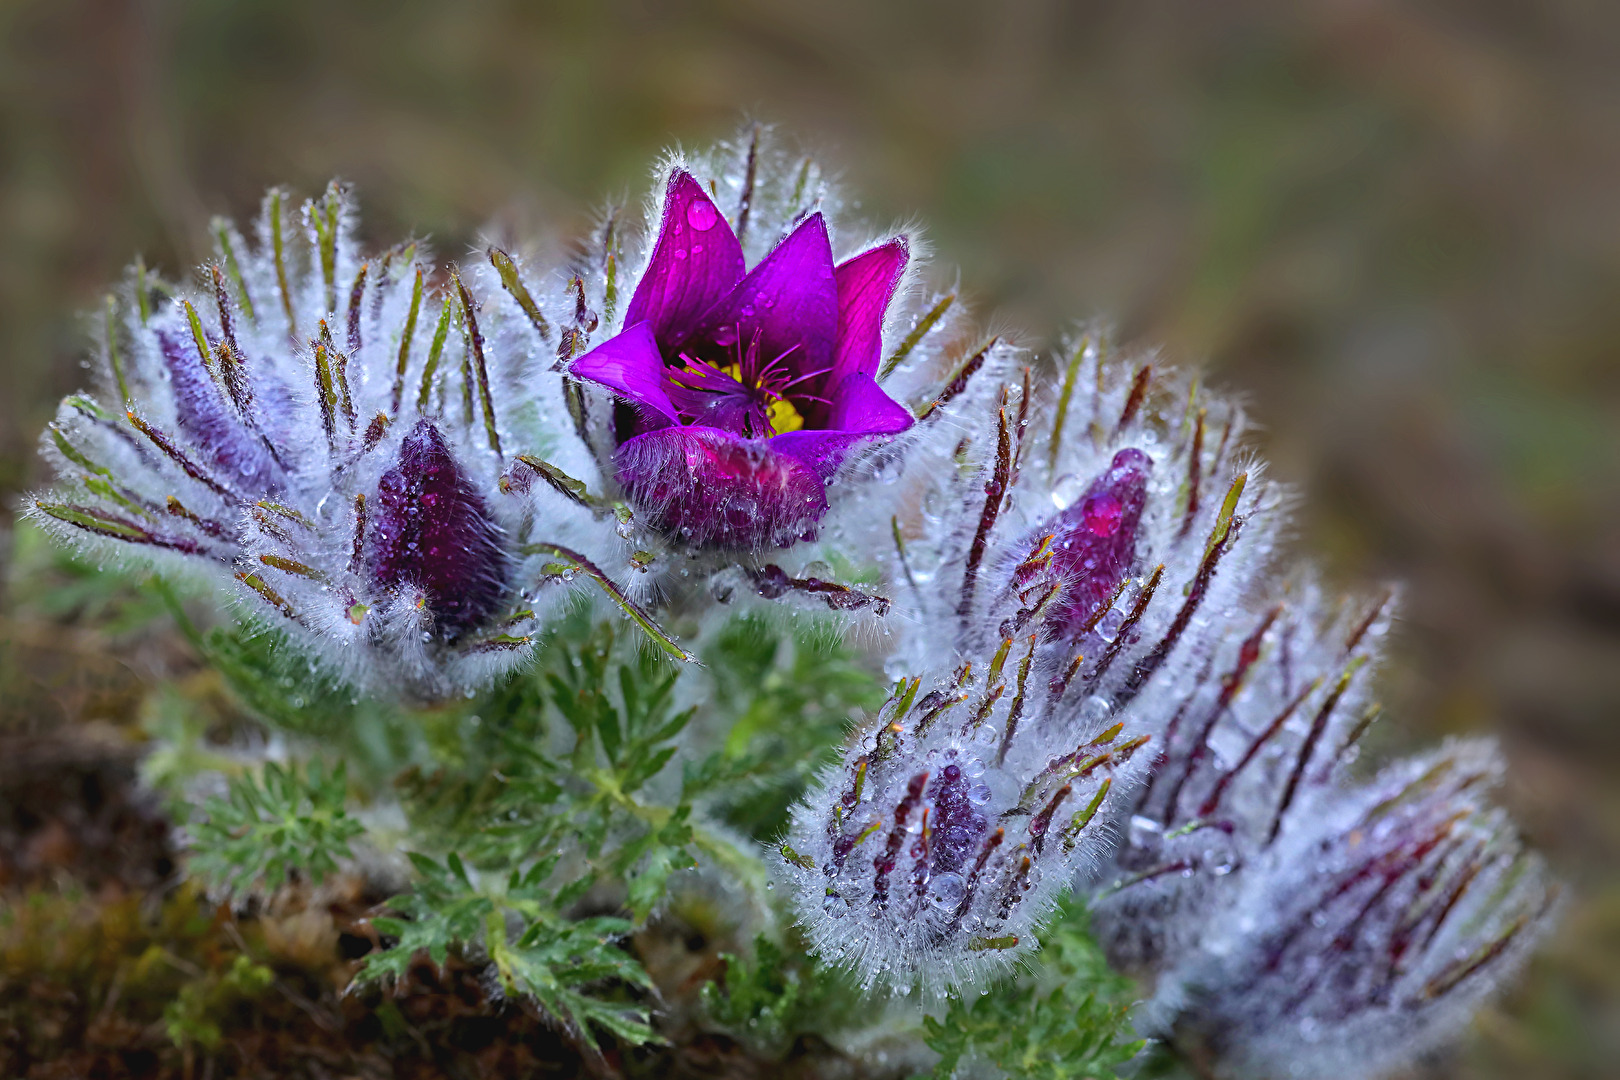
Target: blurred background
(1394, 227)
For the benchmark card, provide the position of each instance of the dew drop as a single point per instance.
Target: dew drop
(1066, 489)
(945, 891)
(700, 214)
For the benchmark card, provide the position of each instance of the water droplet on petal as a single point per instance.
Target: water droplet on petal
(700, 214)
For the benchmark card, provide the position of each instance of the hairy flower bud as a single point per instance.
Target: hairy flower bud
(1093, 544)
(329, 435)
(955, 824)
(1370, 935)
(432, 531)
(1273, 721)
(1105, 517)
(1293, 925)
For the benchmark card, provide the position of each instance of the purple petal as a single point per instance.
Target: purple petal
(861, 412)
(1094, 540)
(431, 530)
(790, 300)
(715, 489)
(629, 364)
(237, 455)
(866, 284)
(859, 404)
(695, 262)
(822, 451)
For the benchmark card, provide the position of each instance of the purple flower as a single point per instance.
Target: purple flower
(433, 531)
(749, 389)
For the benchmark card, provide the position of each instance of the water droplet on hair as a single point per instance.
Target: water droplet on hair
(945, 891)
(1066, 489)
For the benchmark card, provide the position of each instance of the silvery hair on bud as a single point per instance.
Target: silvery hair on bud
(1370, 934)
(323, 436)
(958, 818)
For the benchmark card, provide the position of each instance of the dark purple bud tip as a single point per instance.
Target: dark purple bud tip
(1094, 540)
(432, 531)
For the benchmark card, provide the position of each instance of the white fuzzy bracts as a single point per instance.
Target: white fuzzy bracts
(327, 437)
(957, 822)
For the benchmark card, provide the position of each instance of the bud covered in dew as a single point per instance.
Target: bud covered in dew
(1112, 515)
(346, 442)
(1274, 720)
(957, 821)
(1369, 936)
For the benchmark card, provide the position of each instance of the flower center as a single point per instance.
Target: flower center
(747, 396)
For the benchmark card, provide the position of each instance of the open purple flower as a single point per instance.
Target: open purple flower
(749, 389)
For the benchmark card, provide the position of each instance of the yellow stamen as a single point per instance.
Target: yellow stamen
(783, 416)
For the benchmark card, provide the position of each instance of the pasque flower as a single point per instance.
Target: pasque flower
(1246, 753)
(748, 389)
(1368, 936)
(325, 434)
(1291, 922)
(1092, 628)
(956, 821)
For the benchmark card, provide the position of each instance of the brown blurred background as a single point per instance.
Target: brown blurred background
(1394, 227)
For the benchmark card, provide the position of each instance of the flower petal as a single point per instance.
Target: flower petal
(790, 300)
(859, 404)
(716, 489)
(630, 365)
(695, 262)
(432, 530)
(822, 451)
(866, 284)
(860, 412)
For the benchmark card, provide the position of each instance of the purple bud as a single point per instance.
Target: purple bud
(1373, 938)
(950, 831)
(433, 531)
(1094, 541)
(236, 453)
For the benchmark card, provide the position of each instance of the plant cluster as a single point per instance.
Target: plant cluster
(561, 587)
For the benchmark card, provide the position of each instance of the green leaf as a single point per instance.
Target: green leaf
(1067, 1017)
(769, 999)
(267, 827)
